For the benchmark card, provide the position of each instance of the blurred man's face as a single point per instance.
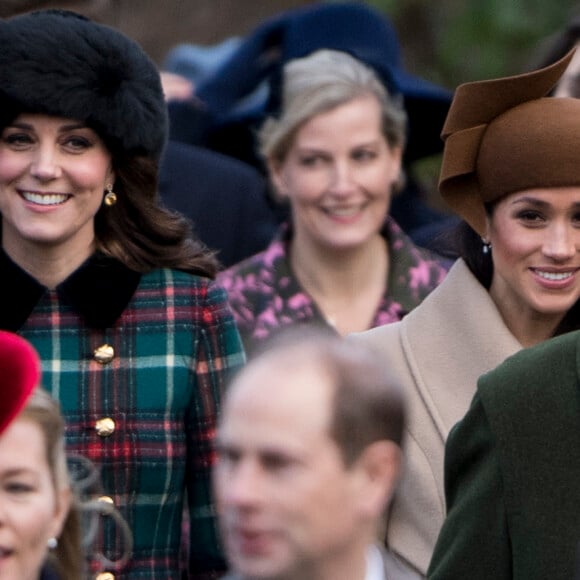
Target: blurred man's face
(287, 503)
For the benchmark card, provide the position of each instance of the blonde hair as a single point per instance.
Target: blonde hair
(41, 409)
(68, 558)
(318, 83)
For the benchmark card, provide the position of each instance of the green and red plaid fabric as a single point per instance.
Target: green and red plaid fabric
(175, 344)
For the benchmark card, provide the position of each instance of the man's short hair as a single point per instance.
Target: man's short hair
(367, 405)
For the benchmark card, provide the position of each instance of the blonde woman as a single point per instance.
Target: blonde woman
(334, 155)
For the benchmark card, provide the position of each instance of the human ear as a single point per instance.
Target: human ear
(63, 503)
(399, 176)
(111, 177)
(276, 173)
(489, 226)
(397, 154)
(380, 465)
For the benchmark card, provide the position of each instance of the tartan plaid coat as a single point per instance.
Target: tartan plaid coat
(143, 408)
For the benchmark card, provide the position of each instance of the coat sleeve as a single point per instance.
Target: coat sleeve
(219, 355)
(474, 542)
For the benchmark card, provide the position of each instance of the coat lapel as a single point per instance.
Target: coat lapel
(456, 335)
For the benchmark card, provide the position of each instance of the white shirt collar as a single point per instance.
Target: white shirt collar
(375, 565)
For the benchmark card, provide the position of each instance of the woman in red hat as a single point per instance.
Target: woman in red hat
(40, 505)
(39, 533)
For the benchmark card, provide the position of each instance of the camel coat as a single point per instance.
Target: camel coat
(437, 353)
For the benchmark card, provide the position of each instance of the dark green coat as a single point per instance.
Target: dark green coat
(512, 472)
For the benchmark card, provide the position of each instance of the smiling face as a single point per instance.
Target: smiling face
(31, 509)
(338, 175)
(535, 238)
(53, 173)
(288, 505)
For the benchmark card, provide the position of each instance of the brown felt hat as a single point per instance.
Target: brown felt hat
(504, 135)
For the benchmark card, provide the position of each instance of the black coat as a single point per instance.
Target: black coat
(224, 198)
(48, 574)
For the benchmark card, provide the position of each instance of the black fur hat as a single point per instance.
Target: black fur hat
(60, 63)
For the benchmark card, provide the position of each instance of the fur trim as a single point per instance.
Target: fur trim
(60, 63)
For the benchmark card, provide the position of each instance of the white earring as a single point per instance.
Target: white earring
(486, 249)
(52, 543)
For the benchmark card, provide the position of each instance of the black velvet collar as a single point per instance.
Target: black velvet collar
(99, 290)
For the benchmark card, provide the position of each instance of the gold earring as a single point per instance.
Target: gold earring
(110, 196)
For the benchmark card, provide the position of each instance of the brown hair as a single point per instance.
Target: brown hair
(141, 233)
(66, 560)
(367, 405)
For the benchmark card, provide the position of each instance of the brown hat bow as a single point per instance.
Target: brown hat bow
(504, 135)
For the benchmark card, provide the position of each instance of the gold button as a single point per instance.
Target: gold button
(104, 354)
(105, 427)
(106, 499)
(105, 576)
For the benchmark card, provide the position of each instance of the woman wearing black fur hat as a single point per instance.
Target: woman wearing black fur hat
(116, 296)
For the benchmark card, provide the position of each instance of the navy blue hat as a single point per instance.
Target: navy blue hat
(351, 27)
(60, 63)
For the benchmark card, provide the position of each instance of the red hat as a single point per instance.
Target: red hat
(19, 374)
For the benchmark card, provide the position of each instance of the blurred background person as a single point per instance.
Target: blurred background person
(225, 199)
(116, 295)
(247, 88)
(334, 154)
(555, 47)
(510, 171)
(304, 477)
(159, 27)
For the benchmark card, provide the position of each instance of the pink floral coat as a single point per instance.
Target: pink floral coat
(264, 293)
